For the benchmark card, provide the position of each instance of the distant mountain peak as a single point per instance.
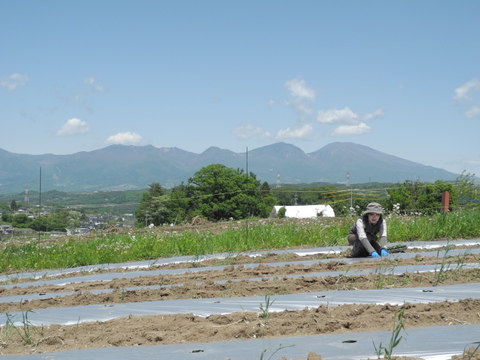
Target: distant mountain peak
(135, 167)
(215, 149)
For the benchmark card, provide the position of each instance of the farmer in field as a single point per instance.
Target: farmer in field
(366, 231)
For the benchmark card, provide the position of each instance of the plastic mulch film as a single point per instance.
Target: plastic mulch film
(430, 343)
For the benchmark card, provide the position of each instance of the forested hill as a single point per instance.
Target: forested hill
(120, 167)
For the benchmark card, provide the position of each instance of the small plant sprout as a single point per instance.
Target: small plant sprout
(197, 259)
(26, 331)
(461, 260)
(440, 274)
(470, 353)
(265, 309)
(380, 280)
(123, 293)
(277, 350)
(395, 338)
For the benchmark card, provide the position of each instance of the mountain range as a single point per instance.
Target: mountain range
(122, 167)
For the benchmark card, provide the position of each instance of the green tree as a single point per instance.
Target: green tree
(284, 196)
(222, 193)
(57, 221)
(152, 208)
(21, 221)
(13, 205)
(179, 204)
(83, 216)
(41, 223)
(7, 217)
(215, 192)
(268, 199)
(281, 212)
(466, 191)
(414, 196)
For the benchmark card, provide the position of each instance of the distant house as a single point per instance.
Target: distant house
(304, 211)
(77, 231)
(57, 233)
(81, 230)
(6, 229)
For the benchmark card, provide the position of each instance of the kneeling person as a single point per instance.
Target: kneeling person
(365, 232)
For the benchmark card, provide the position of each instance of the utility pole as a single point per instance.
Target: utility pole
(351, 194)
(26, 199)
(40, 194)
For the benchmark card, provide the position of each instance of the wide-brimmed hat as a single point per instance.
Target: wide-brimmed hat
(373, 207)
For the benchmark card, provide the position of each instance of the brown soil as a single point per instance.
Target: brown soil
(156, 330)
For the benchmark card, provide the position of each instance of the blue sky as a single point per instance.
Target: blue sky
(402, 77)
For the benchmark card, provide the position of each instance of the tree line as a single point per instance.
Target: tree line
(217, 192)
(220, 193)
(54, 221)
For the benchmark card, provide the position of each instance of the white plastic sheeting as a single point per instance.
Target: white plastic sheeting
(206, 307)
(430, 343)
(397, 270)
(145, 265)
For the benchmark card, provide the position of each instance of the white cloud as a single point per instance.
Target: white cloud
(81, 95)
(73, 126)
(463, 91)
(14, 81)
(372, 115)
(359, 129)
(303, 110)
(354, 124)
(126, 138)
(248, 131)
(473, 112)
(332, 116)
(295, 132)
(298, 89)
(271, 103)
(467, 96)
(96, 87)
(299, 92)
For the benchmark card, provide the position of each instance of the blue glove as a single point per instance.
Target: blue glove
(374, 254)
(384, 252)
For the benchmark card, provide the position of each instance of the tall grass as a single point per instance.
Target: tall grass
(232, 238)
(454, 225)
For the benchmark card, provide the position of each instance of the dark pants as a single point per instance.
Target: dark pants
(358, 249)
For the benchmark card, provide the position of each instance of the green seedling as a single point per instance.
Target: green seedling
(380, 279)
(265, 309)
(26, 331)
(279, 348)
(440, 273)
(395, 338)
(473, 352)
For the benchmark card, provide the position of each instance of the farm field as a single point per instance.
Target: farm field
(263, 295)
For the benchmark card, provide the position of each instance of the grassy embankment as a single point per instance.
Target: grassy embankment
(229, 237)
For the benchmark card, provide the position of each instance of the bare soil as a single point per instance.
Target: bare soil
(157, 330)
